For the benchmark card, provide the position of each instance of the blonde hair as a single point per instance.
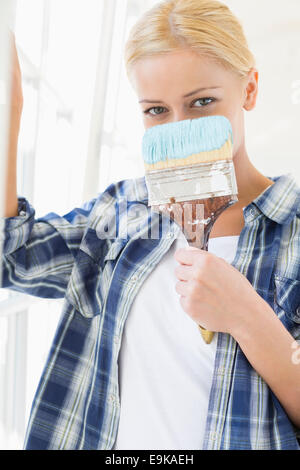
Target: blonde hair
(205, 26)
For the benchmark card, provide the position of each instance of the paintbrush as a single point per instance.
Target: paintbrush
(190, 176)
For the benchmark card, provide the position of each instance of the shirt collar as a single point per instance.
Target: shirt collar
(279, 202)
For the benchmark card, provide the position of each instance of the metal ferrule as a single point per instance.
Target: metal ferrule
(191, 182)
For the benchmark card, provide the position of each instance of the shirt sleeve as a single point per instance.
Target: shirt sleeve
(38, 254)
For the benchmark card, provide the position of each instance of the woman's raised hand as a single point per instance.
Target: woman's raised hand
(16, 107)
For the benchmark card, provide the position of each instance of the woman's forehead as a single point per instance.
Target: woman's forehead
(182, 70)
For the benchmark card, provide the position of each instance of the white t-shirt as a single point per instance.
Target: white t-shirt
(165, 367)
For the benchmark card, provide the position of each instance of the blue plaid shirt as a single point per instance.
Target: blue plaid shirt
(98, 268)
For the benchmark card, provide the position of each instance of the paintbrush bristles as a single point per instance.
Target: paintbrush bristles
(163, 145)
(224, 154)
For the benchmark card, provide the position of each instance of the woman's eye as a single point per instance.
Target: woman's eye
(148, 111)
(204, 101)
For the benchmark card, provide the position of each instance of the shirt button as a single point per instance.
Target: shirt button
(214, 436)
(253, 212)
(169, 235)
(134, 278)
(298, 311)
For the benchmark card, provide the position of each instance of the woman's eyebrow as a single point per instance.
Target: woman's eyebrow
(185, 96)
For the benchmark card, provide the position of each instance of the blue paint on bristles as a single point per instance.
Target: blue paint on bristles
(184, 138)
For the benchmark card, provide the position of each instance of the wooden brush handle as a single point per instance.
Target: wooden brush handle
(196, 219)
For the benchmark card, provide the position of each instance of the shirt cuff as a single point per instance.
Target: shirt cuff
(16, 230)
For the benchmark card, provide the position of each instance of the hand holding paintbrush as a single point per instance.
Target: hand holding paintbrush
(190, 176)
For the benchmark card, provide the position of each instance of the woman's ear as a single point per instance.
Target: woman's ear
(251, 90)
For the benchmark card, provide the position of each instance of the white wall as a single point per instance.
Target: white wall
(273, 31)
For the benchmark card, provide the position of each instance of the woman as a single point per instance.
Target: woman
(128, 369)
